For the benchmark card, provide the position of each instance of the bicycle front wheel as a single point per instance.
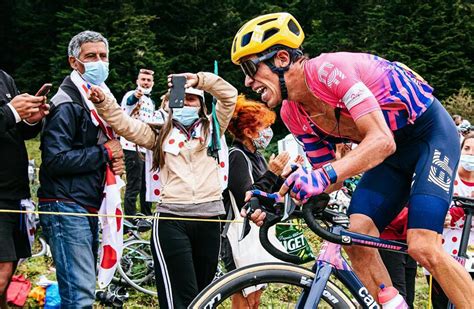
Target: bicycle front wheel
(136, 266)
(285, 283)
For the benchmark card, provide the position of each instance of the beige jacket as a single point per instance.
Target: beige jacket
(191, 176)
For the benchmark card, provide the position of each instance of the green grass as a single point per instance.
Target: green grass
(33, 268)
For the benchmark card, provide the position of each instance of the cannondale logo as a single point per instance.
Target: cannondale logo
(440, 173)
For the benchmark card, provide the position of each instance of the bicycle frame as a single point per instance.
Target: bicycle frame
(331, 262)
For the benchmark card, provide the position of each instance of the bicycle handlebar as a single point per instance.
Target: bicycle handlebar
(466, 202)
(270, 220)
(312, 210)
(317, 204)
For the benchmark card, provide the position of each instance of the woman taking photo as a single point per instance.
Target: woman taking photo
(185, 252)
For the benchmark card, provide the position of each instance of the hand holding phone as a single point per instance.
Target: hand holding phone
(177, 93)
(44, 90)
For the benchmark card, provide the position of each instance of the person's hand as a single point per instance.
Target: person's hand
(118, 166)
(447, 220)
(289, 168)
(265, 199)
(35, 117)
(276, 164)
(191, 80)
(26, 105)
(114, 148)
(138, 93)
(96, 95)
(306, 183)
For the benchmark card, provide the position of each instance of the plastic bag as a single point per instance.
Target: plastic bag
(52, 299)
(18, 290)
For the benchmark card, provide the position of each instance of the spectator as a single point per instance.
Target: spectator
(20, 120)
(401, 267)
(74, 157)
(457, 120)
(185, 252)
(250, 126)
(139, 105)
(463, 186)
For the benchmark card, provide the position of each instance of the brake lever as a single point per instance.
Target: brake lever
(290, 205)
(250, 207)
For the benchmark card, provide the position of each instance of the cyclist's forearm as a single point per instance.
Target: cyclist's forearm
(370, 153)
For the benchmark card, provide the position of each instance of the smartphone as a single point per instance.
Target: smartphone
(44, 90)
(177, 94)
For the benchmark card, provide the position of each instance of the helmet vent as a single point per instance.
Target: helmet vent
(246, 39)
(235, 43)
(269, 33)
(263, 22)
(293, 27)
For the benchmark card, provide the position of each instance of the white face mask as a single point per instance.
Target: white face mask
(467, 162)
(146, 91)
(263, 139)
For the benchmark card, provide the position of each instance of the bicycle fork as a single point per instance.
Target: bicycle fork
(311, 298)
(330, 261)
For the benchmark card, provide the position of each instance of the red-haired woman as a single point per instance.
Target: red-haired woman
(250, 127)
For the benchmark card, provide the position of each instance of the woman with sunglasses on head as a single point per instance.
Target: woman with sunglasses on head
(185, 252)
(407, 143)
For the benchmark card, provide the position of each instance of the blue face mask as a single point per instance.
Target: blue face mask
(186, 115)
(467, 162)
(95, 72)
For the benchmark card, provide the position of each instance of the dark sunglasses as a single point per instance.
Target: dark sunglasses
(250, 67)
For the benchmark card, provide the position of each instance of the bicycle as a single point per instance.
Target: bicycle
(315, 285)
(309, 288)
(136, 265)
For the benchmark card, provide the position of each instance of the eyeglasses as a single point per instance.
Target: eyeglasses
(250, 67)
(146, 71)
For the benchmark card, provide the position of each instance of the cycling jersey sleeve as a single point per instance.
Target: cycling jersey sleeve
(318, 151)
(339, 77)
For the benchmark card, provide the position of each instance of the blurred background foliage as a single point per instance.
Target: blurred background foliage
(433, 38)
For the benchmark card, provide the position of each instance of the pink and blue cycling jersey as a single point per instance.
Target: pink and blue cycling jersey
(357, 84)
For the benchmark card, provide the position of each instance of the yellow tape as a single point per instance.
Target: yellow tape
(77, 214)
(429, 294)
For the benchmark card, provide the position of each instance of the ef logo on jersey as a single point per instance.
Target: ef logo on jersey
(440, 172)
(330, 75)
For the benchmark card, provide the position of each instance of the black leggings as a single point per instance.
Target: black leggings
(185, 255)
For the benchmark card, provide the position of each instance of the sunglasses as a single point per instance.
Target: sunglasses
(250, 67)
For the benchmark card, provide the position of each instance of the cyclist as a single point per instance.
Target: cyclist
(408, 146)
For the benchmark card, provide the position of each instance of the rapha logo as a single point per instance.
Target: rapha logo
(440, 173)
(330, 75)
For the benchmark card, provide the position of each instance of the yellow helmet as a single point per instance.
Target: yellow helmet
(266, 31)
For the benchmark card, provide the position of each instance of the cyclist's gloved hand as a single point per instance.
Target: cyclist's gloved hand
(267, 200)
(305, 183)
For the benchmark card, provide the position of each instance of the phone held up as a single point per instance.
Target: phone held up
(44, 90)
(177, 93)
